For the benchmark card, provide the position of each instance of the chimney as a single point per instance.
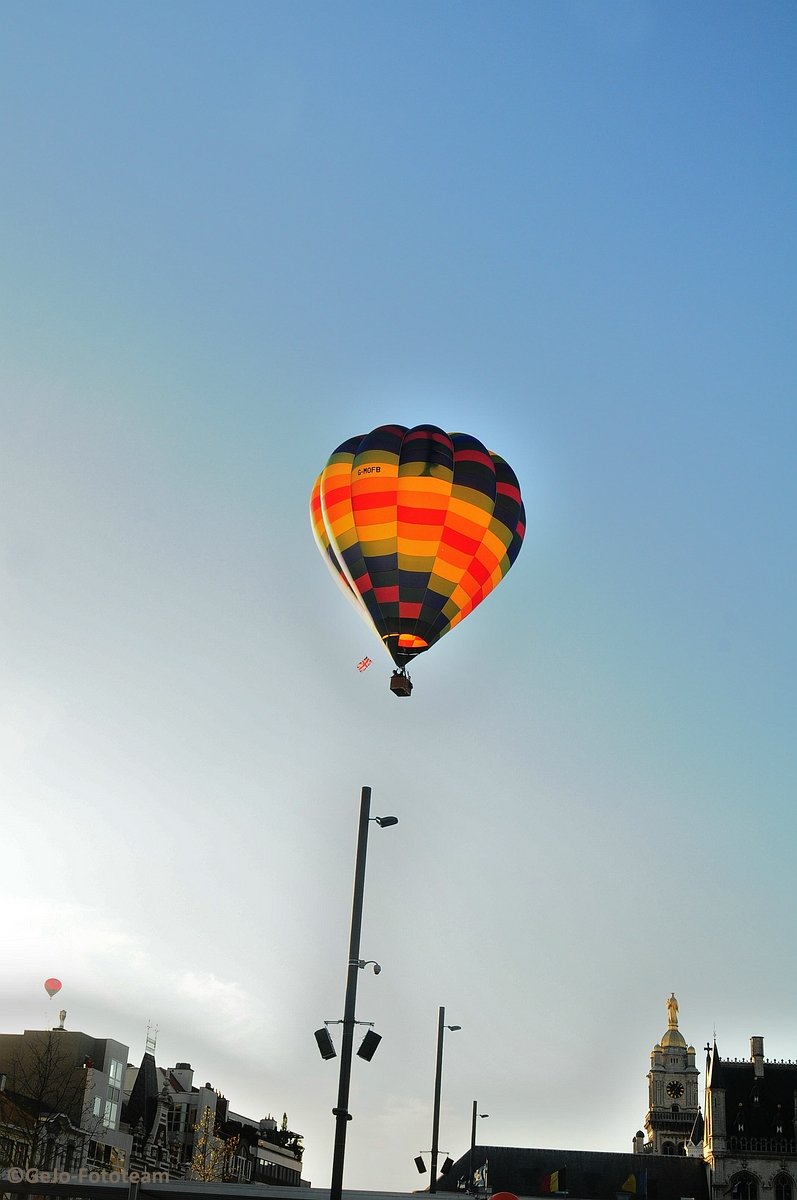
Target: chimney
(184, 1075)
(757, 1056)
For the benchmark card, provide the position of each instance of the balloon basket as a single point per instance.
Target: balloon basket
(400, 684)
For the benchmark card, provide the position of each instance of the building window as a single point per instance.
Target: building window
(783, 1188)
(99, 1154)
(114, 1094)
(182, 1118)
(744, 1187)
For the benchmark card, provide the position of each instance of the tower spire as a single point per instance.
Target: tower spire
(672, 1092)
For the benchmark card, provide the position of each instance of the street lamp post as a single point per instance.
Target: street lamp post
(476, 1114)
(341, 1111)
(438, 1080)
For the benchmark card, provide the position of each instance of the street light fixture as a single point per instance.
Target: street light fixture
(471, 1183)
(438, 1078)
(355, 963)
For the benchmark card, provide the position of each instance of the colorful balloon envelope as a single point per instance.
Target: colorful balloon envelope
(418, 526)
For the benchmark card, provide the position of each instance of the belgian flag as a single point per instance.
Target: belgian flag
(555, 1182)
(636, 1184)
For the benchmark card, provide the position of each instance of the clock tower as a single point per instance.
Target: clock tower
(673, 1106)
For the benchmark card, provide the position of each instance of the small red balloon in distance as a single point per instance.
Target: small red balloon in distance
(504, 1196)
(51, 986)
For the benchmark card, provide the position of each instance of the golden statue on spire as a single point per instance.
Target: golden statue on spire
(672, 1012)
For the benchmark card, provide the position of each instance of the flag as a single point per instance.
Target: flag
(363, 664)
(555, 1182)
(636, 1184)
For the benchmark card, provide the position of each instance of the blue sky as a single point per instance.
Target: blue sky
(234, 235)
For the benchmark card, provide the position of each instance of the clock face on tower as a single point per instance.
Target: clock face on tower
(676, 1090)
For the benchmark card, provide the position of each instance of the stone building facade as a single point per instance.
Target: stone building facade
(751, 1126)
(742, 1144)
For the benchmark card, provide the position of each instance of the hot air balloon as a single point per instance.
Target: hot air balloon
(52, 986)
(417, 526)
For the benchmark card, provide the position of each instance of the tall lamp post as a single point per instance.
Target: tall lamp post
(438, 1079)
(476, 1114)
(341, 1111)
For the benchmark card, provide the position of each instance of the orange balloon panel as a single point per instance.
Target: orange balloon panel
(419, 526)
